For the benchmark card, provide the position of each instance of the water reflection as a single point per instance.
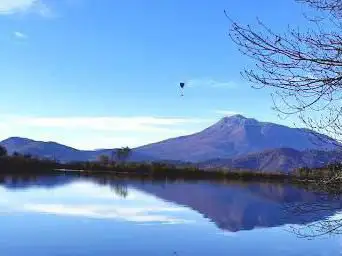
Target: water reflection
(78, 198)
(236, 207)
(131, 214)
(232, 207)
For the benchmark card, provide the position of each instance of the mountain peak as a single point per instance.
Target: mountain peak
(236, 120)
(235, 117)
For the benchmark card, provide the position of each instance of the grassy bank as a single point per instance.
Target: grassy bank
(162, 171)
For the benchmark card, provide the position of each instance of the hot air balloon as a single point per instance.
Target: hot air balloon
(182, 84)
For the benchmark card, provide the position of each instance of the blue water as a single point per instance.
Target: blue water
(62, 215)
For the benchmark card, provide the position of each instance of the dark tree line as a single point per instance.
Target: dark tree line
(3, 151)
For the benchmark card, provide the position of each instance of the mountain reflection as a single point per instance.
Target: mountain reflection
(233, 207)
(236, 207)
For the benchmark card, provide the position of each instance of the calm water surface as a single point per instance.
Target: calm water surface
(63, 215)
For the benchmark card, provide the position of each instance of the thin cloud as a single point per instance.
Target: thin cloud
(13, 6)
(211, 83)
(141, 124)
(100, 132)
(20, 35)
(8, 7)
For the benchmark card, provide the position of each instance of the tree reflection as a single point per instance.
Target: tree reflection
(308, 211)
(120, 189)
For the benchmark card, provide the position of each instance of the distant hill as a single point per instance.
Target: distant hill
(44, 149)
(53, 150)
(284, 160)
(234, 136)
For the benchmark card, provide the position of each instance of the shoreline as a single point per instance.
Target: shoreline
(21, 165)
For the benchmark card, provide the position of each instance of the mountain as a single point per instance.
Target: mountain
(234, 136)
(283, 159)
(53, 150)
(233, 142)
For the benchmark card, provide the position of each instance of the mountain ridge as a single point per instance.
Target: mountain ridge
(282, 159)
(54, 150)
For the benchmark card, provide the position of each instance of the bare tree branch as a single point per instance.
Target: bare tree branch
(304, 67)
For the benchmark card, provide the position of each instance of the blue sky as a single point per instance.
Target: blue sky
(98, 74)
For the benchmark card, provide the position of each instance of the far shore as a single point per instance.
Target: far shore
(155, 170)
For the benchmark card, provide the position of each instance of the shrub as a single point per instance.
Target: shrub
(3, 151)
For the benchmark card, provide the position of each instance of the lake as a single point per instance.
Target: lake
(68, 215)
